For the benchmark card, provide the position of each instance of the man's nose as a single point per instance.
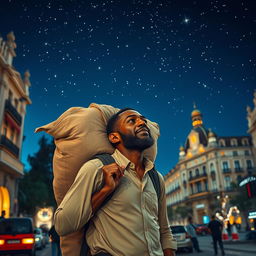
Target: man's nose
(141, 122)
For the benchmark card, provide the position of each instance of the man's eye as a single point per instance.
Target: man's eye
(131, 120)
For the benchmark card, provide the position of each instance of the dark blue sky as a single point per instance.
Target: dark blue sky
(155, 56)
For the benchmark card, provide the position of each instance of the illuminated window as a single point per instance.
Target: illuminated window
(245, 142)
(234, 142)
(222, 143)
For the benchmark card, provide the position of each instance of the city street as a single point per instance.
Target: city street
(231, 249)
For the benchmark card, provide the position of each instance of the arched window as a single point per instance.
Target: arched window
(222, 143)
(204, 170)
(234, 142)
(245, 142)
(197, 172)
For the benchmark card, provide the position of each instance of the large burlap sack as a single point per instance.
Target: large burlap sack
(79, 134)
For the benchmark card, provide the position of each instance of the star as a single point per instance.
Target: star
(186, 20)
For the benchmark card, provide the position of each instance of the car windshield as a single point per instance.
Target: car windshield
(178, 229)
(15, 226)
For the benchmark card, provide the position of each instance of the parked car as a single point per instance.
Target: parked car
(182, 237)
(16, 236)
(202, 229)
(39, 238)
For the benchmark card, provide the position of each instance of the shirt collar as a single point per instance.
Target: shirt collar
(121, 160)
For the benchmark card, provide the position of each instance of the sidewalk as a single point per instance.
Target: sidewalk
(241, 245)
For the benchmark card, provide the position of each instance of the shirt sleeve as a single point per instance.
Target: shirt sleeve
(167, 239)
(75, 209)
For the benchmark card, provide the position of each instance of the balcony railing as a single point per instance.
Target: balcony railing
(226, 170)
(197, 176)
(13, 112)
(6, 143)
(238, 170)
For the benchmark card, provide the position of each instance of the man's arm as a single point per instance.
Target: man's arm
(168, 242)
(75, 209)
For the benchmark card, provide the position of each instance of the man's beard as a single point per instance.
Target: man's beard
(135, 143)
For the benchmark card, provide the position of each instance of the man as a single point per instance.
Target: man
(191, 229)
(133, 222)
(216, 229)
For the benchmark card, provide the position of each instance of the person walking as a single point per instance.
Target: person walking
(55, 242)
(134, 221)
(216, 230)
(191, 229)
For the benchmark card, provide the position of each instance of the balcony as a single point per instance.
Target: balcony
(198, 177)
(239, 170)
(6, 143)
(226, 170)
(13, 112)
(173, 190)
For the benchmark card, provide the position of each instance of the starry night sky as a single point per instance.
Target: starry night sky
(155, 56)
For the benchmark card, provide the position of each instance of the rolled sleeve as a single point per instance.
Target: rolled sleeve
(166, 237)
(75, 209)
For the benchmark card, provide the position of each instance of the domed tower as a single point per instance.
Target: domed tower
(212, 139)
(197, 139)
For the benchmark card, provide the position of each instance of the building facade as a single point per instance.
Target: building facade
(208, 164)
(14, 97)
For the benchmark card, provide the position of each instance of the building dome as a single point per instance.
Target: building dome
(195, 112)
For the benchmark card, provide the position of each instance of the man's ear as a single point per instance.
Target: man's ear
(114, 137)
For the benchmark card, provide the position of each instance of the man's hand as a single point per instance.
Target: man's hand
(169, 252)
(112, 174)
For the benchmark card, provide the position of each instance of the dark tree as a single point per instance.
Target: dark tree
(35, 189)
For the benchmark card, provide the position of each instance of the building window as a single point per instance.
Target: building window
(204, 170)
(12, 135)
(225, 166)
(227, 182)
(212, 167)
(237, 165)
(199, 186)
(245, 142)
(192, 190)
(197, 172)
(190, 174)
(246, 153)
(214, 185)
(222, 143)
(234, 142)
(249, 164)
(5, 131)
(206, 185)
(235, 153)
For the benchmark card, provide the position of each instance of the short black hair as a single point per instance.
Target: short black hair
(113, 119)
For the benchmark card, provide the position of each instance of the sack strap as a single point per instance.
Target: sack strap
(156, 181)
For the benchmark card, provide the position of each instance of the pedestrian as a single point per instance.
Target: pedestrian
(191, 229)
(3, 213)
(216, 230)
(134, 221)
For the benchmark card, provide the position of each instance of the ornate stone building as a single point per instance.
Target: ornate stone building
(14, 97)
(208, 164)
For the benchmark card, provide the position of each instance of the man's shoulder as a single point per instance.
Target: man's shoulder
(91, 165)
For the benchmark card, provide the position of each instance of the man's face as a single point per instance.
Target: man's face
(133, 130)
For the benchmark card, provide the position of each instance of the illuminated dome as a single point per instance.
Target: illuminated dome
(196, 112)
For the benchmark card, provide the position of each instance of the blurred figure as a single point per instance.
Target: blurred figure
(3, 214)
(55, 241)
(191, 229)
(216, 228)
